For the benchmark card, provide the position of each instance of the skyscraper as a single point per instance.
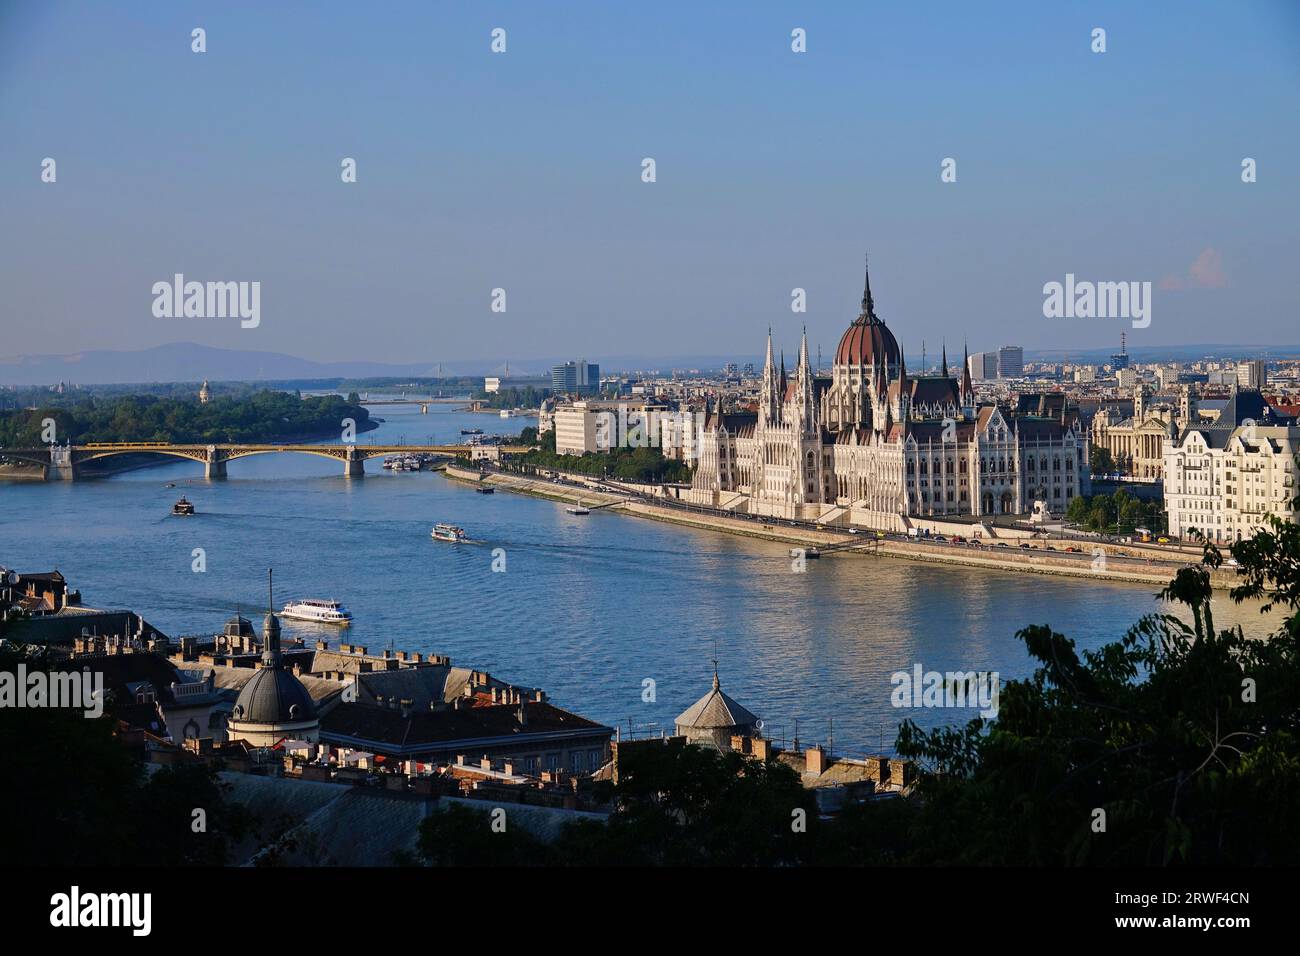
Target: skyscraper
(1011, 361)
(576, 378)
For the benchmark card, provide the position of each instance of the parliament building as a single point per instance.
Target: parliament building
(871, 445)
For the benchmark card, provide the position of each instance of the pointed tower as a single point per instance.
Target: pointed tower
(769, 406)
(967, 391)
(904, 391)
(805, 409)
(270, 628)
(944, 373)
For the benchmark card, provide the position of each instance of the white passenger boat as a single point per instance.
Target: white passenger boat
(448, 532)
(318, 611)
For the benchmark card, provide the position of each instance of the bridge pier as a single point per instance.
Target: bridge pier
(354, 466)
(60, 467)
(214, 465)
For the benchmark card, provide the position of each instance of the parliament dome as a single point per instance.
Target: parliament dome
(868, 340)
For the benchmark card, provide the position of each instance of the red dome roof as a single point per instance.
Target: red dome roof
(867, 341)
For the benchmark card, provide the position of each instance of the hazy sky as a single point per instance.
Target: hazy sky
(522, 170)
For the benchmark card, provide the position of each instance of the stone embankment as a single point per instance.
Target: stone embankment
(1119, 564)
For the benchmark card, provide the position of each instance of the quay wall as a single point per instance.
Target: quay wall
(1133, 566)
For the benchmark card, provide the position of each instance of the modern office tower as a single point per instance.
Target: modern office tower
(1252, 374)
(983, 366)
(576, 378)
(1011, 362)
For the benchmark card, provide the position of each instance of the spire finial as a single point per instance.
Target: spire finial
(945, 358)
(716, 683)
(868, 307)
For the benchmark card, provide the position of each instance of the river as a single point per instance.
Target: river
(588, 608)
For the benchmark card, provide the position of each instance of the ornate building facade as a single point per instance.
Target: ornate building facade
(1136, 444)
(872, 445)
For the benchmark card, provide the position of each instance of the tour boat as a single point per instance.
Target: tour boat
(183, 507)
(447, 532)
(805, 553)
(321, 612)
(471, 431)
(485, 490)
(578, 510)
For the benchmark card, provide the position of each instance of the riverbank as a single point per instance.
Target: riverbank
(1115, 566)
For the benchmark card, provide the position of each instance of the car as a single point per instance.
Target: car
(881, 534)
(1050, 548)
(1073, 550)
(1163, 540)
(1002, 544)
(1023, 546)
(853, 531)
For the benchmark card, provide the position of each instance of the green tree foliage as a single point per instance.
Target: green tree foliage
(1184, 737)
(260, 416)
(513, 397)
(95, 803)
(630, 464)
(1118, 513)
(1100, 461)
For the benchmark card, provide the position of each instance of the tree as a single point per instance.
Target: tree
(1100, 461)
(1176, 744)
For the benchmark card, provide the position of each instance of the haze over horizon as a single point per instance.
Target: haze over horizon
(522, 171)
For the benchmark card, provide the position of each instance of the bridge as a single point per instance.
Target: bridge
(63, 462)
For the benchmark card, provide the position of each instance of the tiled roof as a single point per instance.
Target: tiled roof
(389, 729)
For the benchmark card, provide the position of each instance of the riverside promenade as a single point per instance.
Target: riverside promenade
(1117, 565)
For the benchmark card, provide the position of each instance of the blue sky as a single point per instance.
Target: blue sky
(522, 170)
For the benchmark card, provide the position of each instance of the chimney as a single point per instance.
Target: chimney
(486, 763)
(815, 760)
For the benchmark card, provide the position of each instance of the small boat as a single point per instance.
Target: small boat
(170, 484)
(578, 510)
(447, 532)
(317, 611)
(471, 431)
(183, 507)
(485, 490)
(805, 553)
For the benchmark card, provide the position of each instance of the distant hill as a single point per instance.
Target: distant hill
(189, 362)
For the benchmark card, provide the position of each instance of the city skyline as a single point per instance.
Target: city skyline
(522, 171)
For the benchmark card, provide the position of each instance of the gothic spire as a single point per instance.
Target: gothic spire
(945, 359)
(868, 307)
(967, 393)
